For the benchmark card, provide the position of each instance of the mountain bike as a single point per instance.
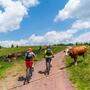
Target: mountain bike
(48, 65)
(29, 72)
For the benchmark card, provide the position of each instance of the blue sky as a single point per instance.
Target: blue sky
(21, 20)
(39, 20)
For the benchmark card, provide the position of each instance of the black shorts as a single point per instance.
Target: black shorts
(48, 59)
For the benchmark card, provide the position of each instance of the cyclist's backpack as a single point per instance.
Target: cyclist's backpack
(49, 52)
(28, 55)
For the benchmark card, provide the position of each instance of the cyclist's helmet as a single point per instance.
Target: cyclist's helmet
(30, 49)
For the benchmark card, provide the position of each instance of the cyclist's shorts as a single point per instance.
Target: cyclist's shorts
(48, 59)
(29, 64)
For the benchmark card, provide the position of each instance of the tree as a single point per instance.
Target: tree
(12, 46)
(0, 47)
(17, 46)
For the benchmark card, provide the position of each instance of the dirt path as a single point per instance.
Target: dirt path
(57, 80)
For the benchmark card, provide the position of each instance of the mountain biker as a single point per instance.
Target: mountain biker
(29, 60)
(48, 55)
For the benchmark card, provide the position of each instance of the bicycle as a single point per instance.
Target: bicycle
(48, 65)
(29, 72)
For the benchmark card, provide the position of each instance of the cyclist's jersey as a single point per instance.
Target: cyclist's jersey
(29, 55)
(48, 53)
(29, 59)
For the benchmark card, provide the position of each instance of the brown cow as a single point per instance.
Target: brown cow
(18, 54)
(11, 56)
(76, 51)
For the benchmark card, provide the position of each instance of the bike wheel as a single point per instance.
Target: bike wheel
(48, 68)
(28, 74)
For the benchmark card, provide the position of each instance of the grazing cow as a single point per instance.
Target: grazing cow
(11, 56)
(76, 51)
(18, 54)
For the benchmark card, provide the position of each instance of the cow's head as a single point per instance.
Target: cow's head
(66, 52)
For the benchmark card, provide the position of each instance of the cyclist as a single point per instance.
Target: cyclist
(48, 56)
(29, 61)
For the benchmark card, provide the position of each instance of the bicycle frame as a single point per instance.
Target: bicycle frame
(28, 75)
(48, 61)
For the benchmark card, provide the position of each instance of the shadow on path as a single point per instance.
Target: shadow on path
(21, 78)
(70, 65)
(42, 72)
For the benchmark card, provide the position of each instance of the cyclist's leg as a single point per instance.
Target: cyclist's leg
(47, 66)
(30, 71)
(50, 62)
(26, 79)
(46, 63)
(27, 75)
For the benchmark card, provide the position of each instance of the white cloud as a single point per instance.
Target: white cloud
(83, 38)
(51, 37)
(35, 40)
(29, 3)
(79, 24)
(8, 43)
(14, 12)
(79, 9)
(68, 10)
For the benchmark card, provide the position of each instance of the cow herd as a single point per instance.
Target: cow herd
(76, 51)
(11, 56)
